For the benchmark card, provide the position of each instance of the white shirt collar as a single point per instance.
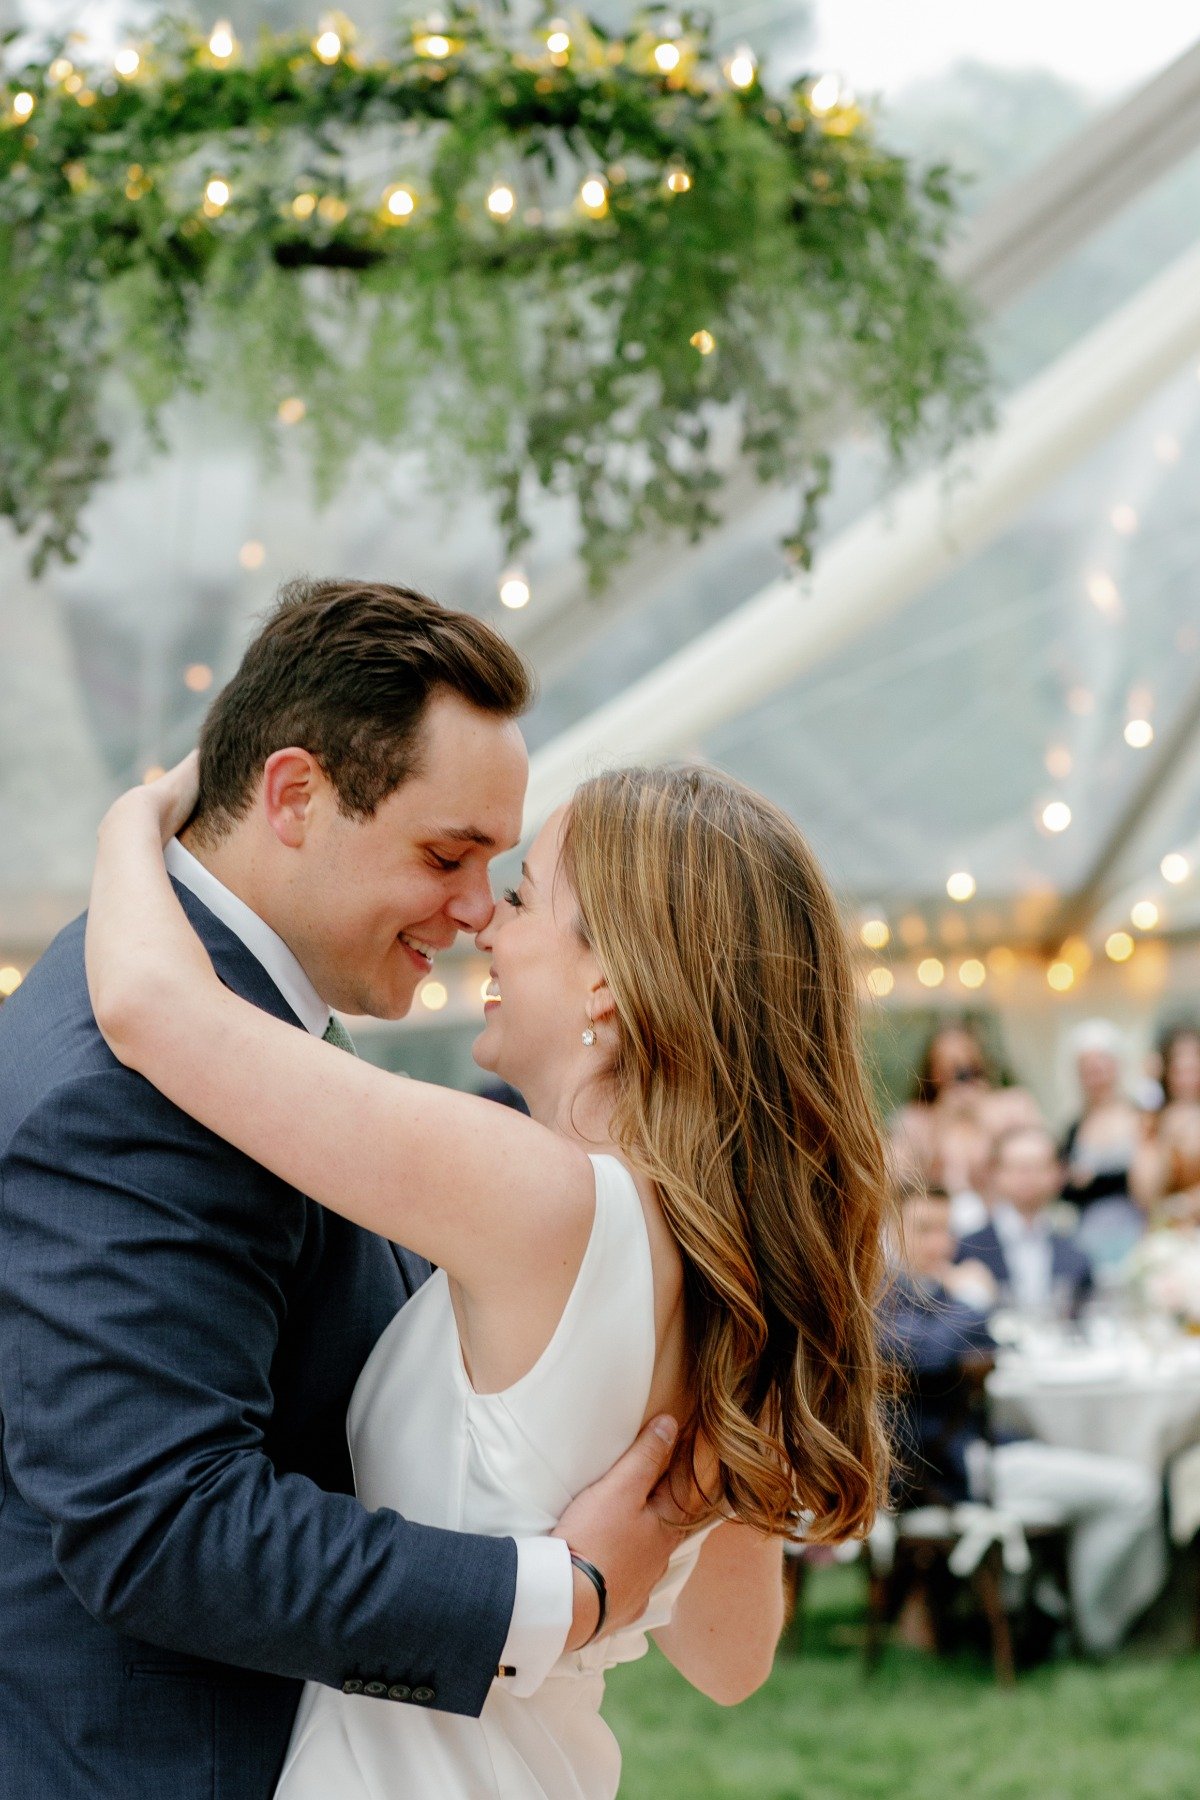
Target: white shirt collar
(265, 945)
(1014, 1228)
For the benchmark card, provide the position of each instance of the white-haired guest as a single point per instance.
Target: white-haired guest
(1100, 1145)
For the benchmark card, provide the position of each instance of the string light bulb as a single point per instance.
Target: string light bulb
(930, 972)
(198, 678)
(741, 68)
(514, 590)
(399, 203)
(291, 410)
(127, 62)
(1056, 816)
(1175, 868)
(1060, 976)
(1118, 946)
(875, 934)
(703, 341)
(10, 979)
(972, 973)
(327, 45)
(824, 93)
(1144, 915)
(558, 40)
(222, 44)
(880, 982)
(23, 105)
(304, 206)
(678, 181)
(1139, 734)
(433, 995)
(667, 57)
(501, 201)
(217, 195)
(593, 196)
(961, 886)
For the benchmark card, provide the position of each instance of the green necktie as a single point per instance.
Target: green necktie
(335, 1033)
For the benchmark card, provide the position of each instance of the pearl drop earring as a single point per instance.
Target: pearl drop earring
(589, 1037)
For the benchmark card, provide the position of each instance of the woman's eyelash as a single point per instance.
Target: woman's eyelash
(512, 896)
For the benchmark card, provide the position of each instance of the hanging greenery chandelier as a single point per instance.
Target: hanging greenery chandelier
(594, 265)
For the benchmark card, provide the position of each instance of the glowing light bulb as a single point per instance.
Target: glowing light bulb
(252, 554)
(222, 43)
(930, 972)
(514, 590)
(198, 678)
(1060, 976)
(703, 341)
(304, 206)
(1139, 734)
(961, 886)
(558, 43)
(667, 58)
(593, 196)
(741, 67)
(327, 46)
(1175, 868)
(291, 410)
(875, 934)
(127, 62)
(433, 995)
(972, 973)
(1056, 816)
(10, 979)
(61, 69)
(1144, 915)
(502, 202)
(678, 181)
(1103, 593)
(1118, 946)
(217, 195)
(23, 104)
(400, 202)
(824, 94)
(880, 982)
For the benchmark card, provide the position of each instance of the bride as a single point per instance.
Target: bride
(688, 1224)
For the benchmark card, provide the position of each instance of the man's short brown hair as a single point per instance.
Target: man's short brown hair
(345, 670)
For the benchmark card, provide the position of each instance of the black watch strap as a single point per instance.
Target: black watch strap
(598, 1582)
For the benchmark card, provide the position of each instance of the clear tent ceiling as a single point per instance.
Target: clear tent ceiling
(934, 743)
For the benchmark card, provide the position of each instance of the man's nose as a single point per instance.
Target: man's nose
(473, 905)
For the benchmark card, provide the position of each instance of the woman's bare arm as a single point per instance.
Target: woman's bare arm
(726, 1624)
(479, 1189)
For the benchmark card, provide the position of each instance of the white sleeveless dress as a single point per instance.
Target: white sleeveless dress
(424, 1442)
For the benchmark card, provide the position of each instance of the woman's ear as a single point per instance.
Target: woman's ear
(601, 1005)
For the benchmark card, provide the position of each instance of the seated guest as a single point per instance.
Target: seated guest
(1036, 1267)
(940, 1347)
(1100, 1145)
(942, 1136)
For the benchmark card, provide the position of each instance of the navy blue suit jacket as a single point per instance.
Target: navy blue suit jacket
(180, 1333)
(1069, 1266)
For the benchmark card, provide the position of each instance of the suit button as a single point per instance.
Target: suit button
(352, 1687)
(376, 1689)
(423, 1695)
(400, 1692)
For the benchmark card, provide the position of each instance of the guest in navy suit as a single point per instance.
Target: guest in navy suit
(180, 1332)
(1111, 1506)
(1036, 1266)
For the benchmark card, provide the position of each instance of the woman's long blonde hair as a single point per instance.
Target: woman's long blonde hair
(740, 1093)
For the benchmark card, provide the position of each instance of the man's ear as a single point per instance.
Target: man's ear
(290, 782)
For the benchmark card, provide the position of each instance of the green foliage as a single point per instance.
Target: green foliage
(555, 348)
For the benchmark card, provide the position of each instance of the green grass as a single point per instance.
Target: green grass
(919, 1729)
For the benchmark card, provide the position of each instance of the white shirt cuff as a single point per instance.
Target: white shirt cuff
(542, 1613)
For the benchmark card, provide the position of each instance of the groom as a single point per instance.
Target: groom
(180, 1332)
